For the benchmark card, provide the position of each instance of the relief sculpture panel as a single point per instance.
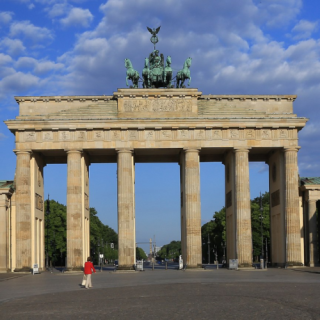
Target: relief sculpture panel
(30, 136)
(64, 135)
(158, 105)
(39, 202)
(47, 136)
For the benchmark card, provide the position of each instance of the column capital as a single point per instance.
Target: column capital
(22, 152)
(241, 149)
(124, 150)
(191, 150)
(288, 149)
(73, 150)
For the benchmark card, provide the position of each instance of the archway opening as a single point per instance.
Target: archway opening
(260, 211)
(157, 194)
(55, 212)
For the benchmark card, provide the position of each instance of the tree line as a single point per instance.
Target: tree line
(103, 239)
(215, 232)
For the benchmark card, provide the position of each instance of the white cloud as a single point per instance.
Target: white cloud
(5, 17)
(30, 31)
(18, 82)
(304, 29)
(77, 17)
(4, 59)
(58, 9)
(13, 46)
(31, 6)
(277, 13)
(39, 67)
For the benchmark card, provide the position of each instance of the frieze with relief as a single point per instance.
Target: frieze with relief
(157, 105)
(162, 134)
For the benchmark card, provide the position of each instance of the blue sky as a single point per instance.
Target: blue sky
(60, 47)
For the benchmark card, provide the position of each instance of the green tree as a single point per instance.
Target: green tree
(101, 236)
(256, 223)
(170, 251)
(140, 254)
(216, 229)
(55, 232)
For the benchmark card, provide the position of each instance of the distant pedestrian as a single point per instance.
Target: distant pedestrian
(88, 268)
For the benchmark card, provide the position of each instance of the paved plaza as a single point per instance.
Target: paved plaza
(164, 294)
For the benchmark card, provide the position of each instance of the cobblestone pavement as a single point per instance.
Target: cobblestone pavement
(165, 294)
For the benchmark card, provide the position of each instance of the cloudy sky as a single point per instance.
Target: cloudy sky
(61, 47)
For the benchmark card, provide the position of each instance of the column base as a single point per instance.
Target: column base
(71, 269)
(197, 266)
(291, 264)
(23, 269)
(312, 265)
(278, 265)
(245, 265)
(126, 267)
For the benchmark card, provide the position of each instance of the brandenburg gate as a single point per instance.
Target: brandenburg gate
(157, 125)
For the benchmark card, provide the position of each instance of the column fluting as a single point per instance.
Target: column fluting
(313, 239)
(192, 208)
(126, 216)
(74, 211)
(292, 217)
(23, 211)
(243, 208)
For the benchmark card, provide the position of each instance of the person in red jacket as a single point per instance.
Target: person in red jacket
(88, 268)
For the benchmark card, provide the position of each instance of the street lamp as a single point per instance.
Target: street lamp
(223, 245)
(266, 253)
(53, 246)
(47, 228)
(215, 251)
(101, 255)
(261, 219)
(208, 249)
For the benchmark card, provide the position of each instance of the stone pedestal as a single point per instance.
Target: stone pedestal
(243, 208)
(126, 211)
(312, 228)
(23, 212)
(74, 212)
(292, 217)
(191, 209)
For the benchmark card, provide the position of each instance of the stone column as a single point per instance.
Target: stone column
(126, 216)
(313, 240)
(192, 209)
(4, 230)
(243, 208)
(23, 211)
(74, 211)
(292, 218)
(182, 208)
